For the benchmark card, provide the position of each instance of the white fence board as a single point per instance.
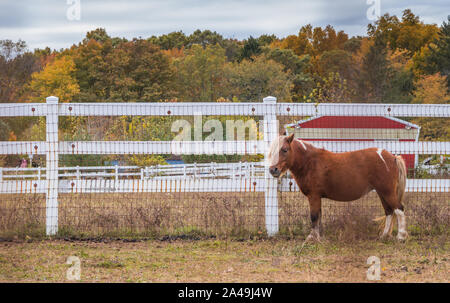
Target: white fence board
(212, 147)
(255, 184)
(239, 109)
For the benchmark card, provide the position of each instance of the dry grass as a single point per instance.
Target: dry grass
(203, 214)
(261, 260)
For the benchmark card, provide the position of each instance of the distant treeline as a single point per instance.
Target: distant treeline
(400, 60)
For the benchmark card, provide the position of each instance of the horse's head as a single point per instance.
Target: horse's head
(279, 156)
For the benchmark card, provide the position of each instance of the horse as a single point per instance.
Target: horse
(346, 176)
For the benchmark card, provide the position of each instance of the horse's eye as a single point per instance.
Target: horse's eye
(284, 150)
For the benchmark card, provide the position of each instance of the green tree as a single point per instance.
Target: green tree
(171, 40)
(251, 81)
(251, 48)
(138, 71)
(297, 67)
(375, 72)
(200, 74)
(439, 56)
(204, 38)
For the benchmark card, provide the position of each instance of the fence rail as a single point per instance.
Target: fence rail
(211, 147)
(177, 181)
(177, 185)
(227, 109)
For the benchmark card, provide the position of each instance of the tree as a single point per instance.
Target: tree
(439, 52)
(137, 70)
(297, 67)
(375, 71)
(172, 40)
(251, 81)
(431, 89)
(327, 39)
(204, 38)
(251, 48)
(264, 40)
(57, 79)
(98, 35)
(199, 74)
(331, 88)
(334, 61)
(92, 69)
(134, 70)
(16, 67)
(409, 34)
(233, 49)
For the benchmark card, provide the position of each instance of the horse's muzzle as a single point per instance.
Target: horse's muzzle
(275, 172)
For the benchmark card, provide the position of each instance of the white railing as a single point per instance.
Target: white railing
(269, 110)
(201, 177)
(116, 172)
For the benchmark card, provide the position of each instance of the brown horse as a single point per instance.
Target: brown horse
(342, 177)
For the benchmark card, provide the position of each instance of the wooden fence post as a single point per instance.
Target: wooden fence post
(271, 194)
(51, 221)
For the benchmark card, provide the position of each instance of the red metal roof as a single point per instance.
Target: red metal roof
(353, 122)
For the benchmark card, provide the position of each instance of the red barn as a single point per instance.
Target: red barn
(357, 128)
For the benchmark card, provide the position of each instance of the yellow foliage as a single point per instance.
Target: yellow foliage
(146, 160)
(55, 80)
(12, 136)
(431, 89)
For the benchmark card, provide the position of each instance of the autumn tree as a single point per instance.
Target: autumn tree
(432, 89)
(110, 70)
(409, 33)
(331, 88)
(16, 67)
(57, 79)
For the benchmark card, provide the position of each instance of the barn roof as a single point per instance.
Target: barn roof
(353, 122)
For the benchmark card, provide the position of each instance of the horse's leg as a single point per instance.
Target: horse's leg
(315, 212)
(402, 233)
(388, 212)
(397, 207)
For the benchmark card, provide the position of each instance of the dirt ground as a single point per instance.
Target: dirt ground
(225, 260)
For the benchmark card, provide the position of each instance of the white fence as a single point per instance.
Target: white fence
(261, 181)
(241, 177)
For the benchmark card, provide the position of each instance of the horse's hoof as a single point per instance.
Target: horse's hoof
(385, 237)
(313, 238)
(401, 236)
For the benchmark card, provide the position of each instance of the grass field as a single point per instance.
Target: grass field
(237, 214)
(225, 260)
(200, 237)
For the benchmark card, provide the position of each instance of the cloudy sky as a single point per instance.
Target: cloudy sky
(57, 24)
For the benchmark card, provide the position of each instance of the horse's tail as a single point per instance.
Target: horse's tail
(401, 185)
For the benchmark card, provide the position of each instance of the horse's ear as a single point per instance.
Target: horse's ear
(290, 138)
